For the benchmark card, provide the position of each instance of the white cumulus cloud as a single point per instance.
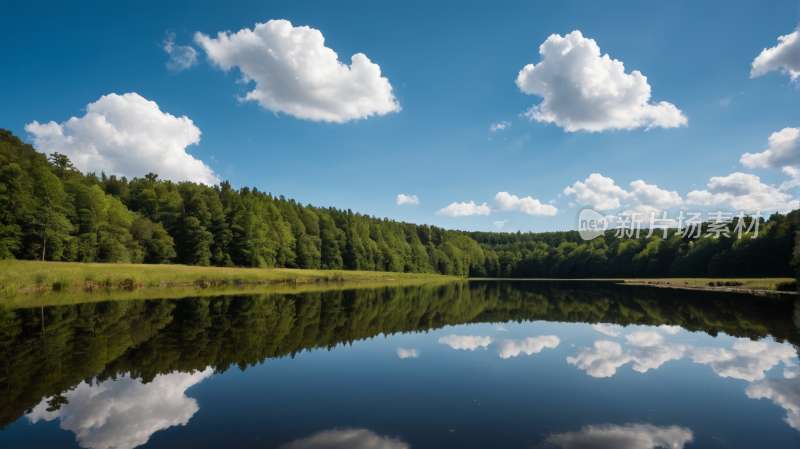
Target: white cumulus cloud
(346, 439)
(530, 345)
(503, 201)
(783, 151)
(784, 57)
(650, 196)
(406, 199)
(506, 202)
(181, 57)
(743, 192)
(407, 353)
(500, 224)
(464, 209)
(585, 91)
(471, 342)
(126, 135)
(627, 436)
(124, 413)
(597, 191)
(295, 73)
(499, 126)
(603, 194)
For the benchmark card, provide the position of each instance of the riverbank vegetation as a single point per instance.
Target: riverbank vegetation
(50, 211)
(65, 276)
(776, 284)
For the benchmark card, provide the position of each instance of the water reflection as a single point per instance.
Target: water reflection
(609, 329)
(628, 436)
(783, 392)
(530, 345)
(346, 439)
(123, 413)
(471, 342)
(505, 348)
(747, 360)
(407, 353)
(149, 346)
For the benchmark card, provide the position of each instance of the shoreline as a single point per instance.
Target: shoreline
(707, 288)
(27, 277)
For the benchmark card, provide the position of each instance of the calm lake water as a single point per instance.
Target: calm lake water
(480, 364)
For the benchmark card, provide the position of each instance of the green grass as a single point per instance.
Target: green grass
(779, 284)
(25, 283)
(48, 297)
(28, 275)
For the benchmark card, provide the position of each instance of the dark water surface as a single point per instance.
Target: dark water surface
(505, 364)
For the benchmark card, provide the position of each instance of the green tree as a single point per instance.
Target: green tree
(49, 222)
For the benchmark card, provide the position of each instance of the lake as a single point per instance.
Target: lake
(467, 364)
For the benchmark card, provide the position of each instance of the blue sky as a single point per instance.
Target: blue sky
(453, 69)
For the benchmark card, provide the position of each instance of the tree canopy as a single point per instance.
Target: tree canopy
(49, 210)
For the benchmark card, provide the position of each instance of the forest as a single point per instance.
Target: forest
(51, 211)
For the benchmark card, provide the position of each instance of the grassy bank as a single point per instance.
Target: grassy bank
(776, 284)
(27, 275)
(39, 298)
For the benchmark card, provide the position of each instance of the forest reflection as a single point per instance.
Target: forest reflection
(57, 361)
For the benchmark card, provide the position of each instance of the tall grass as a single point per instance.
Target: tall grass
(28, 275)
(774, 284)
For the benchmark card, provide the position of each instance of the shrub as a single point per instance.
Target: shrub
(61, 284)
(39, 279)
(205, 282)
(790, 286)
(129, 284)
(202, 282)
(7, 285)
(90, 281)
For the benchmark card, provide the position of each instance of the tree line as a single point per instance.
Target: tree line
(49, 210)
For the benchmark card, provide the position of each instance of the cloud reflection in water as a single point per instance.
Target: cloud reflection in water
(505, 348)
(747, 360)
(783, 392)
(628, 436)
(124, 413)
(407, 353)
(346, 439)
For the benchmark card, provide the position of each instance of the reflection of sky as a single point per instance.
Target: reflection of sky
(746, 360)
(510, 387)
(783, 392)
(647, 349)
(628, 436)
(407, 353)
(505, 348)
(346, 439)
(124, 413)
(471, 342)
